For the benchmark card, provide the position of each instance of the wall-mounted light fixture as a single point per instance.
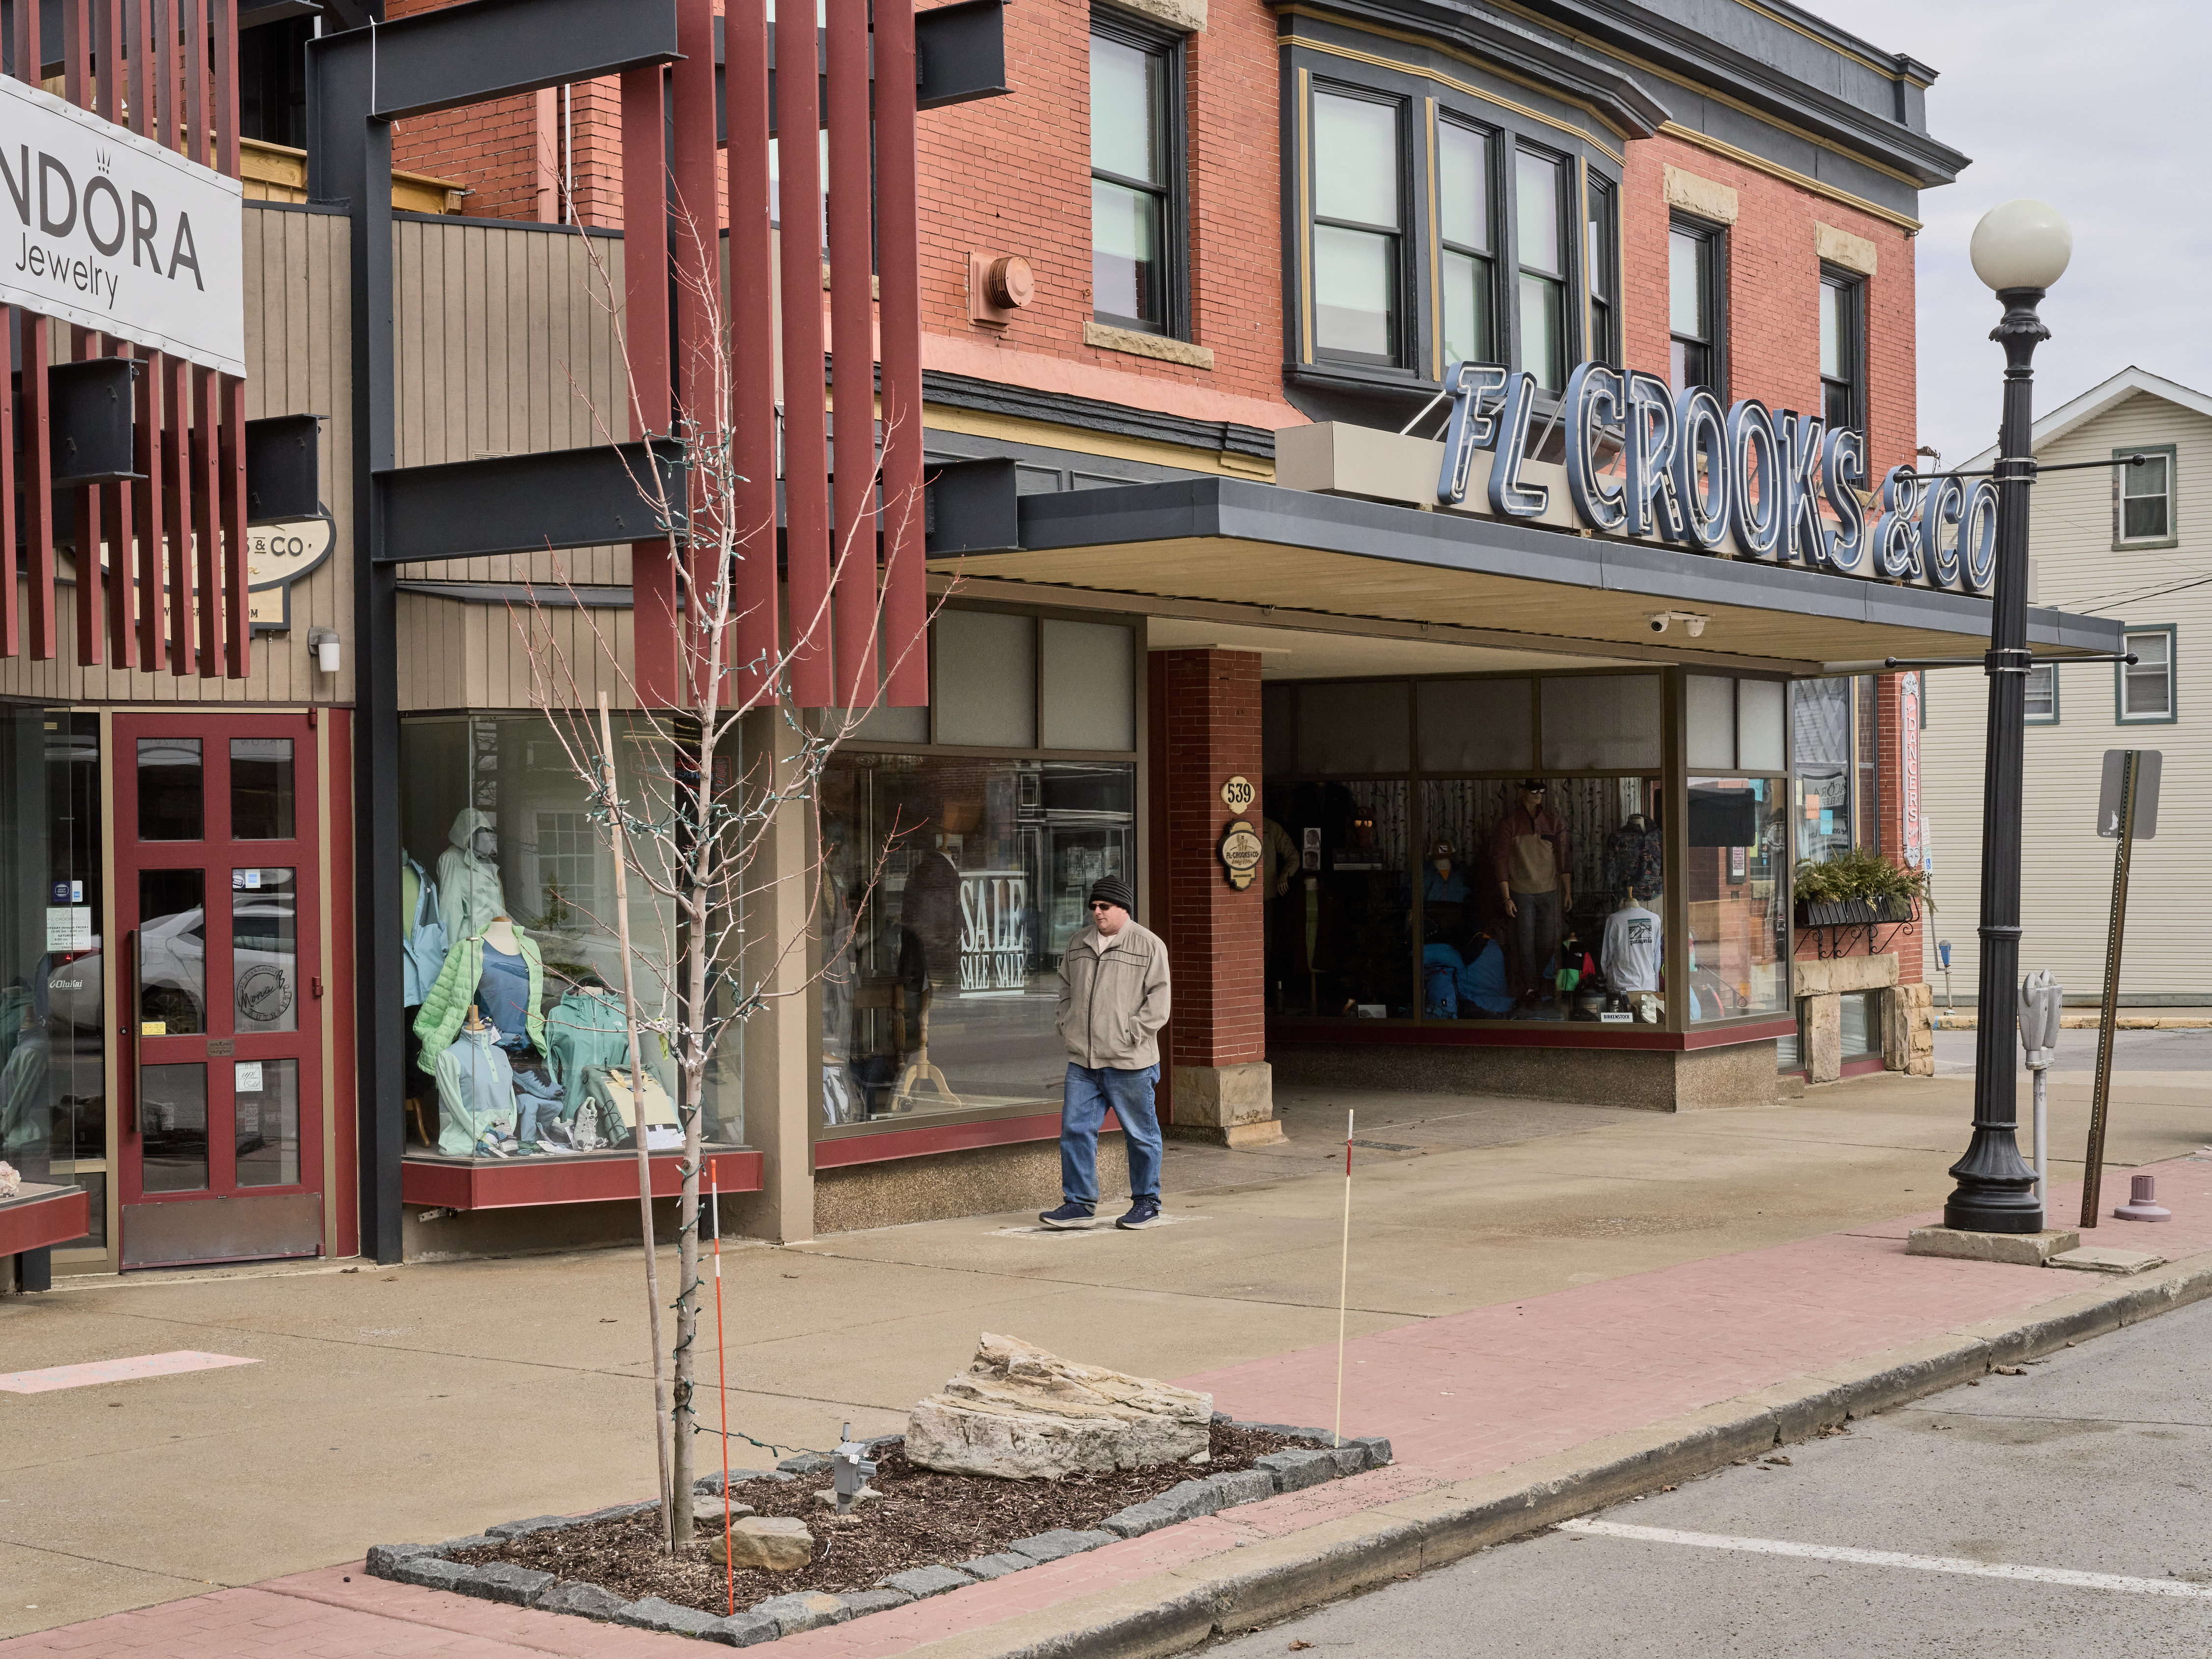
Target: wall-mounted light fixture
(323, 643)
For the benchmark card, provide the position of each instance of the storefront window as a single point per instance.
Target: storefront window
(54, 1080)
(954, 885)
(1736, 892)
(1822, 765)
(1342, 935)
(516, 1028)
(1509, 963)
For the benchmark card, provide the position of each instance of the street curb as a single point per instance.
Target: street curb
(1966, 1022)
(1273, 1579)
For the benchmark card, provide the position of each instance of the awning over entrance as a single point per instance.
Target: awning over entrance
(1311, 557)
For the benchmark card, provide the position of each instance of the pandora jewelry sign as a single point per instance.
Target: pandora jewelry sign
(1645, 461)
(114, 233)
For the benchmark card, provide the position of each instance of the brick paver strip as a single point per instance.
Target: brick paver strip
(1465, 1395)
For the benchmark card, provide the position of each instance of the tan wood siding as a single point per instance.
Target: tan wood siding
(505, 345)
(2067, 870)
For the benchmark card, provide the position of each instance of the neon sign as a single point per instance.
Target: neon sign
(1773, 485)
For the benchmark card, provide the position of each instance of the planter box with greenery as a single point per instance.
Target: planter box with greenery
(1857, 889)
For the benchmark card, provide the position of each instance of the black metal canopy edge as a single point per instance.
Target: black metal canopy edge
(971, 518)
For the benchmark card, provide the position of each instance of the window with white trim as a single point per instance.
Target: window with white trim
(2043, 694)
(2146, 689)
(2143, 497)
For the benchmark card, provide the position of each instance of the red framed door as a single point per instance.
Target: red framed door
(218, 982)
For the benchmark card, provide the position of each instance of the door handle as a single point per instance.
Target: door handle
(127, 1119)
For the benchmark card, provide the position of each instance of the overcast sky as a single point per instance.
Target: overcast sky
(2089, 107)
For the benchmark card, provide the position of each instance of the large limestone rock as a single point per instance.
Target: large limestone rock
(778, 1542)
(1023, 1414)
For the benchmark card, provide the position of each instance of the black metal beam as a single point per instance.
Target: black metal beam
(485, 49)
(284, 478)
(350, 161)
(559, 498)
(971, 506)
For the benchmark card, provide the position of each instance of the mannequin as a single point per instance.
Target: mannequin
(1634, 858)
(1528, 861)
(1634, 948)
(468, 892)
(1443, 882)
(503, 989)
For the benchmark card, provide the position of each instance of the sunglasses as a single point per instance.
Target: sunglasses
(1101, 904)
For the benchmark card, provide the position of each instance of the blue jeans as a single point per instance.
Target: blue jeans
(1091, 1090)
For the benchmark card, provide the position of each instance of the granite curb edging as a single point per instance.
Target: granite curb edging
(1270, 1579)
(427, 1565)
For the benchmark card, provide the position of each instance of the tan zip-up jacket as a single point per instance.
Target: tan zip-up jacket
(1114, 997)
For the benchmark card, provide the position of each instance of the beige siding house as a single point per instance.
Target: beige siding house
(2135, 543)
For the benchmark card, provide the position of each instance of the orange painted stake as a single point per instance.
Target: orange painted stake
(722, 1379)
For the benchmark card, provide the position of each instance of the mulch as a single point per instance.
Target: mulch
(924, 1518)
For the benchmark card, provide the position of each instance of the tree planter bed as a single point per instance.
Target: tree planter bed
(927, 1534)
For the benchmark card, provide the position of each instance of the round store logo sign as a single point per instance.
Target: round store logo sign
(265, 994)
(1241, 850)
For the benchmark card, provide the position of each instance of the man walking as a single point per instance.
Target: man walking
(1528, 857)
(1113, 1001)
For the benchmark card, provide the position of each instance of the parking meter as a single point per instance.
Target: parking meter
(2040, 1000)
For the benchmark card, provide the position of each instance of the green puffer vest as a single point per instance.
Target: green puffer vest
(437, 1021)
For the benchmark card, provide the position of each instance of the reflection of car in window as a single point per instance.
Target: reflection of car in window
(173, 987)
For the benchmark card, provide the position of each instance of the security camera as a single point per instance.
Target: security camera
(1660, 619)
(1695, 624)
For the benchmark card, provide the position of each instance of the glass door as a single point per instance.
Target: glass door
(220, 1034)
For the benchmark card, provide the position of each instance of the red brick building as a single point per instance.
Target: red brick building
(1202, 249)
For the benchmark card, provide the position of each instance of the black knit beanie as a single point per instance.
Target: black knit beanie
(1112, 890)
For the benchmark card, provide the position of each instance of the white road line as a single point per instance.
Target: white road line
(1714, 1541)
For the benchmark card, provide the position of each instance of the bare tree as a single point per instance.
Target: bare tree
(693, 827)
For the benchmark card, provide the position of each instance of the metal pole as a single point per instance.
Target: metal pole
(1996, 1191)
(2093, 1175)
(2043, 1136)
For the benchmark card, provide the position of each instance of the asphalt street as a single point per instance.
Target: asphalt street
(2189, 1050)
(2063, 1514)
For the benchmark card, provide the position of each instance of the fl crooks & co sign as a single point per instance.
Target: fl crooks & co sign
(114, 233)
(1737, 480)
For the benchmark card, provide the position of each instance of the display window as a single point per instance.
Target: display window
(517, 1032)
(1736, 889)
(1514, 870)
(955, 882)
(53, 1075)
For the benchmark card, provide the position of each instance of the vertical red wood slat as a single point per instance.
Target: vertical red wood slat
(238, 623)
(898, 268)
(38, 485)
(146, 503)
(168, 73)
(193, 44)
(85, 502)
(76, 51)
(115, 502)
(138, 45)
(108, 37)
(752, 348)
(644, 306)
(227, 412)
(177, 459)
(223, 112)
(853, 353)
(12, 628)
(207, 512)
(695, 231)
(806, 441)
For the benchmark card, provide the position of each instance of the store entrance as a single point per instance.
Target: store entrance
(216, 910)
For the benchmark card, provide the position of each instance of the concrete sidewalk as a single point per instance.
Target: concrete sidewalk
(1529, 1282)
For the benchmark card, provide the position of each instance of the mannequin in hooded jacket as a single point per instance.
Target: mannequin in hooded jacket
(468, 895)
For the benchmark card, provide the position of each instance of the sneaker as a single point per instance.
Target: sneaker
(1145, 1212)
(1069, 1215)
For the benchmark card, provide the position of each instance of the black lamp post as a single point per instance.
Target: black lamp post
(2019, 250)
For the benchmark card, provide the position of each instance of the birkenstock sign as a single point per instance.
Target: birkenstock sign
(1645, 461)
(112, 232)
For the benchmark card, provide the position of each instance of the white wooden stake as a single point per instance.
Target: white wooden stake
(1343, 1279)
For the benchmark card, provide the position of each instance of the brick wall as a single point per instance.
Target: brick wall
(1774, 291)
(1012, 175)
(1205, 730)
